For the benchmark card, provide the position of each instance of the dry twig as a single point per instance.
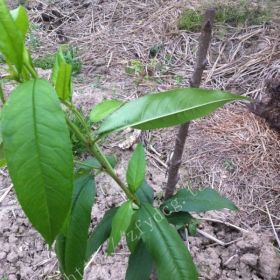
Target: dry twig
(5, 193)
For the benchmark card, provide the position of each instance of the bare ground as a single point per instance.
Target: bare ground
(232, 151)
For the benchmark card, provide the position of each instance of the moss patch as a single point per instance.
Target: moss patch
(235, 14)
(190, 20)
(71, 56)
(45, 62)
(241, 13)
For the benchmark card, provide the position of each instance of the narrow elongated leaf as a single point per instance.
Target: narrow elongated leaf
(140, 264)
(104, 109)
(166, 109)
(101, 233)
(136, 169)
(120, 224)
(61, 77)
(28, 66)
(63, 84)
(11, 40)
(145, 193)
(197, 201)
(20, 18)
(39, 155)
(59, 58)
(77, 232)
(171, 257)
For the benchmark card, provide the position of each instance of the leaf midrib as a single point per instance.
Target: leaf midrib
(165, 240)
(66, 256)
(34, 117)
(166, 115)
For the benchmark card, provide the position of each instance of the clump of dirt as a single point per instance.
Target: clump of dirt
(269, 107)
(247, 256)
(23, 254)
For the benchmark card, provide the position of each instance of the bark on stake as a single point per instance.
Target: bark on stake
(201, 62)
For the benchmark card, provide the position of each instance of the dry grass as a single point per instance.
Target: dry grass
(114, 32)
(244, 157)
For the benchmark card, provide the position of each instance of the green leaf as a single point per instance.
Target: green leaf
(75, 243)
(39, 155)
(28, 66)
(11, 40)
(171, 257)
(135, 174)
(60, 251)
(179, 219)
(20, 18)
(120, 224)
(140, 264)
(166, 109)
(3, 161)
(197, 201)
(145, 193)
(2, 96)
(61, 77)
(104, 109)
(58, 60)
(183, 219)
(192, 227)
(133, 233)
(101, 233)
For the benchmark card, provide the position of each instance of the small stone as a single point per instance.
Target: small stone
(12, 257)
(269, 262)
(3, 255)
(12, 277)
(6, 248)
(251, 242)
(20, 254)
(14, 228)
(249, 259)
(12, 239)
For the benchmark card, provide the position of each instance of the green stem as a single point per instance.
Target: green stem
(95, 150)
(108, 168)
(78, 133)
(30, 69)
(77, 113)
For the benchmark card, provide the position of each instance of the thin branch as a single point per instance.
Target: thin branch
(225, 223)
(201, 62)
(218, 241)
(6, 193)
(95, 150)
